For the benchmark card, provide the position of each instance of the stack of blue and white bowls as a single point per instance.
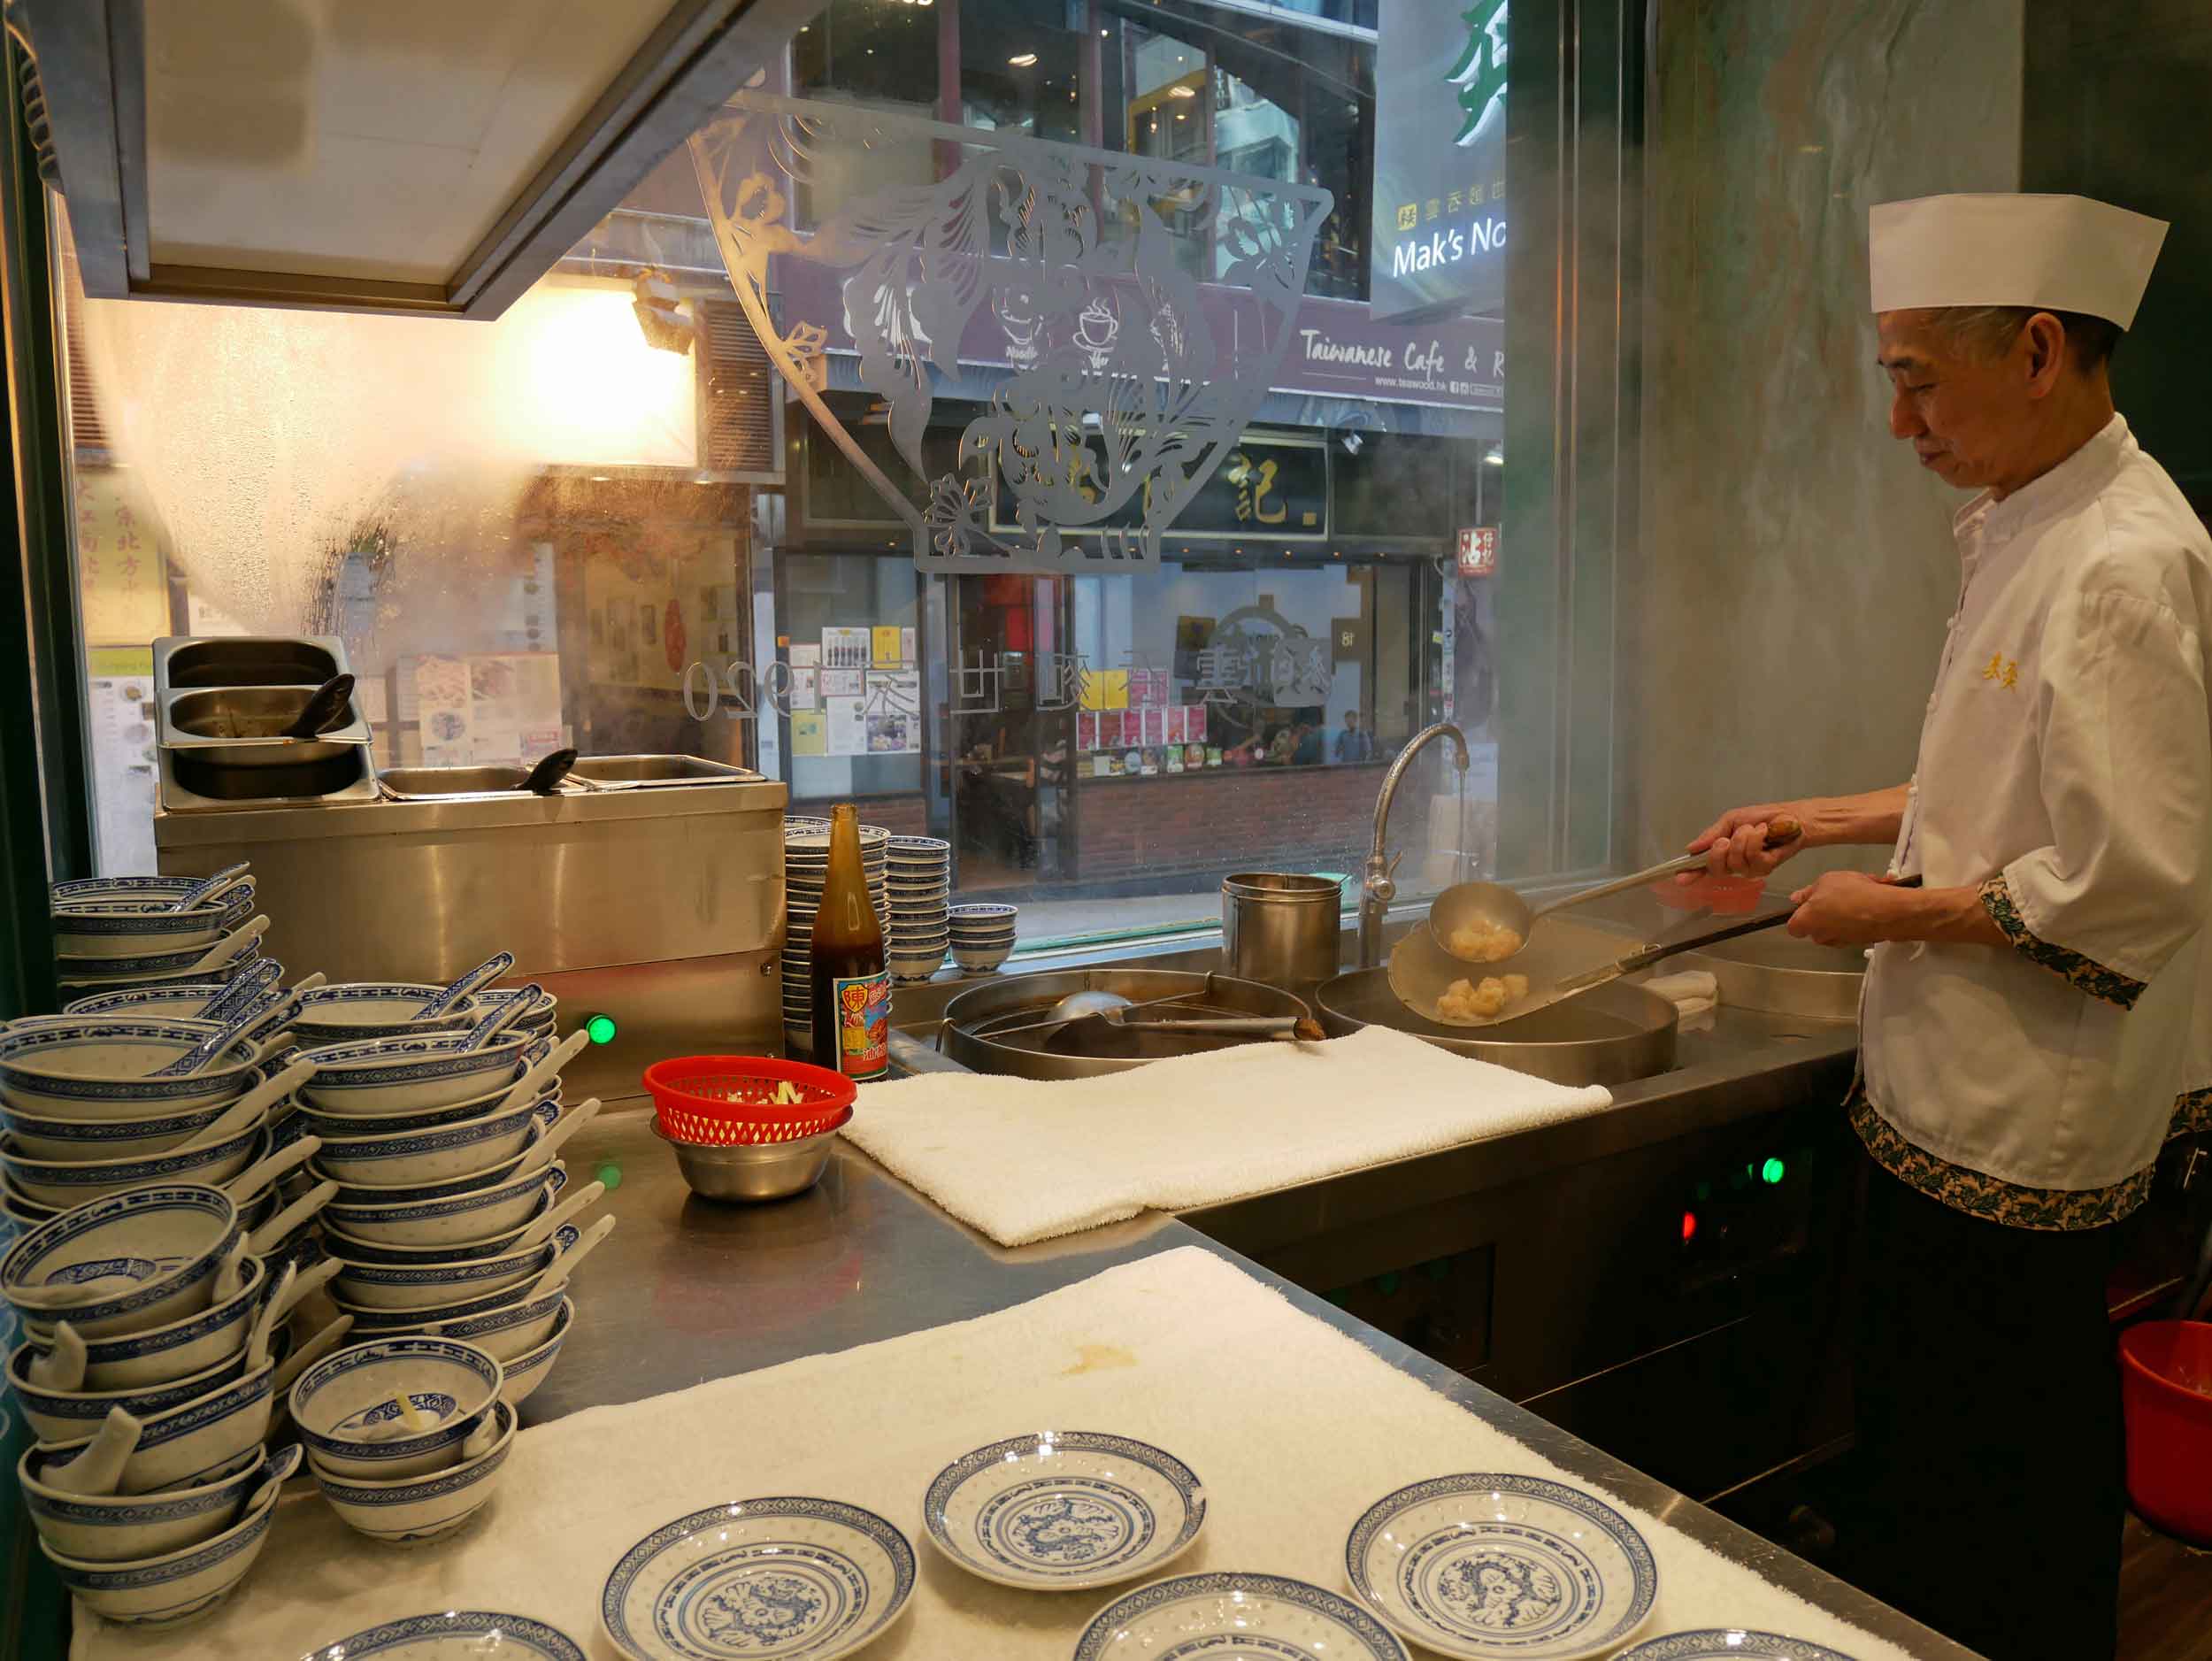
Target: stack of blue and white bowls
(120, 934)
(805, 869)
(982, 936)
(921, 889)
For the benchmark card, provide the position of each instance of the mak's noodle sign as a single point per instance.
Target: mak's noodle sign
(1439, 229)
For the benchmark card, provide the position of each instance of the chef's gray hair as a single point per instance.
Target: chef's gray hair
(1987, 332)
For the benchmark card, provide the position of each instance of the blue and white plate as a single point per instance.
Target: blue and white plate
(771, 1579)
(1484, 1566)
(1237, 1618)
(1730, 1643)
(1063, 1510)
(455, 1635)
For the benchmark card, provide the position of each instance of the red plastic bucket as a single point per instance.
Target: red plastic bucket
(2166, 1389)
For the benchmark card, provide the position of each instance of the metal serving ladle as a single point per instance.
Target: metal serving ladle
(1499, 907)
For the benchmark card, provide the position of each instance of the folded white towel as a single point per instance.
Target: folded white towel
(1024, 1161)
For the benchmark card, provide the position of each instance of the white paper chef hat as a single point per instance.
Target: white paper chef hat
(2055, 253)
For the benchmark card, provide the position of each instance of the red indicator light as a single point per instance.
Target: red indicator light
(1689, 1227)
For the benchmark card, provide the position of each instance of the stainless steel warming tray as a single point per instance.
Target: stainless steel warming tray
(1069, 1053)
(590, 774)
(220, 703)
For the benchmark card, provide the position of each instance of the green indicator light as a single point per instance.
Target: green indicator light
(600, 1029)
(1771, 1172)
(1704, 1190)
(611, 1175)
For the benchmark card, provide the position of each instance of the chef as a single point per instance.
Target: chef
(2027, 1006)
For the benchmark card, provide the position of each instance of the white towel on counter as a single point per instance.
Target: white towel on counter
(1024, 1161)
(1293, 1426)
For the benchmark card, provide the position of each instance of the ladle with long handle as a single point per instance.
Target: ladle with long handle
(207, 887)
(1302, 1026)
(244, 991)
(545, 777)
(485, 972)
(1490, 907)
(325, 708)
(1095, 1000)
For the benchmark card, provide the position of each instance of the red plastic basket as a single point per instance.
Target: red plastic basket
(721, 1101)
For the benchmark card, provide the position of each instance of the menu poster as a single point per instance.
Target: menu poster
(1175, 758)
(1176, 725)
(893, 705)
(809, 733)
(906, 646)
(806, 687)
(806, 654)
(1105, 689)
(1155, 726)
(442, 704)
(1104, 767)
(1086, 729)
(1196, 756)
(846, 648)
(1151, 762)
(848, 725)
(844, 683)
(1195, 723)
(884, 647)
(1113, 729)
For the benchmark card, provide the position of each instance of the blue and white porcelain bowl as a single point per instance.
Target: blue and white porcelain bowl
(67, 1183)
(407, 1510)
(382, 1287)
(140, 927)
(772, 1579)
(326, 1123)
(40, 1137)
(980, 959)
(354, 1249)
(59, 1416)
(176, 1349)
(152, 1254)
(117, 1528)
(411, 1075)
(379, 1009)
(346, 1407)
(457, 1634)
(534, 1364)
(114, 967)
(1487, 1565)
(101, 1069)
(471, 1215)
(503, 1323)
(419, 1158)
(190, 1441)
(541, 1021)
(373, 1194)
(177, 1586)
(1730, 1643)
(77, 984)
(1065, 1510)
(181, 1002)
(1233, 1614)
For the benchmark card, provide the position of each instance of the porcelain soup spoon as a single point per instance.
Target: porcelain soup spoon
(224, 952)
(270, 1235)
(249, 1184)
(557, 1274)
(526, 1088)
(538, 1158)
(247, 1110)
(509, 1011)
(99, 1467)
(540, 1231)
(308, 1354)
(249, 1027)
(242, 993)
(62, 1367)
(207, 887)
(485, 972)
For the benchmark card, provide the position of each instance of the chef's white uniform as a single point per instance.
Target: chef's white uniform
(2065, 765)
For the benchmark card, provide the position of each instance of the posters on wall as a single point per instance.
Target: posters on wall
(1438, 238)
(487, 709)
(844, 649)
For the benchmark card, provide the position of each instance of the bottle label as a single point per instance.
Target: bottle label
(863, 1003)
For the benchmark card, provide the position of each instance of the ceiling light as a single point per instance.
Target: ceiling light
(1022, 60)
(1496, 458)
(1181, 92)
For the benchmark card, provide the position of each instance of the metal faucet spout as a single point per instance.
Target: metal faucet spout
(1378, 887)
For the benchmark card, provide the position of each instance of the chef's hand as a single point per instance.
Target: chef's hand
(1849, 908)
(1735, 845)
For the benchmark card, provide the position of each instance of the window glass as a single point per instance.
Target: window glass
(607, 520)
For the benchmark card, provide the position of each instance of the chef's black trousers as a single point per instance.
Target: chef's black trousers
(1990, 1446)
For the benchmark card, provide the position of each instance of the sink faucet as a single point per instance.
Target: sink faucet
(1379, 887)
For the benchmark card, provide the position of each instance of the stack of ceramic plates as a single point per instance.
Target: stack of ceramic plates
(805, 868)
(921, 888)
(982, 936)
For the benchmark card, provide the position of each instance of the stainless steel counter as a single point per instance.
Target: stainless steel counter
(685, 1291)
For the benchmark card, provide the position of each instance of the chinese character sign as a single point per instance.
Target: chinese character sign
(1439, 240)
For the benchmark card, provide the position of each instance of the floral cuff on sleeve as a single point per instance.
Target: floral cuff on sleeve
(2084, 974)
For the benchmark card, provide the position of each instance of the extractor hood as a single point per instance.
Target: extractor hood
(434, 157)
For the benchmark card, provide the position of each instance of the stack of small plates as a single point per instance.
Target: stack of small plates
(805, 868)
(982, 936)
(921, 888)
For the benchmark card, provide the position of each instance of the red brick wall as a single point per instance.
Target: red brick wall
(1246, 818)
(901, 815)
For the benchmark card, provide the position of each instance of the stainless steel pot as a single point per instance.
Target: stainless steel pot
(1611, 1035)
(1281, 929)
